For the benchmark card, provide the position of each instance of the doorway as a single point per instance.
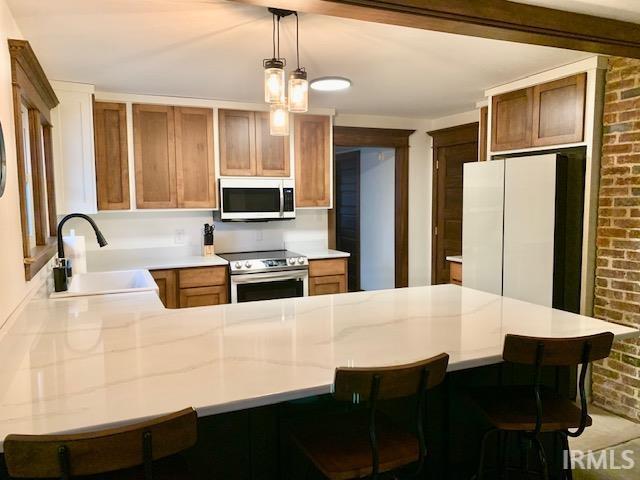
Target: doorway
(452, 148)
(396, 140)
(364, 214)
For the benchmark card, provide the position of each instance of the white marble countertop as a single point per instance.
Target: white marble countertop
(454, 258)
(85, 363)
(148, 259)
(321, 254)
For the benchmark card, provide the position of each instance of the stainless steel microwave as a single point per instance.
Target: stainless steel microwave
(253, 199)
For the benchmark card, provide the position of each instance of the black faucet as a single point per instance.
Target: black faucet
(63, 269)
(99, 237)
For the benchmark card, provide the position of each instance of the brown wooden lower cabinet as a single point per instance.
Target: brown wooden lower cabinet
(455, 273)
(328, 276)
(202, 296)
(192, 287)
(167, 287)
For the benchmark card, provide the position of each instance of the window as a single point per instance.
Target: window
(33, 99)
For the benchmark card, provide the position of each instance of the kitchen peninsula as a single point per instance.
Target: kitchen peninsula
(92, 362)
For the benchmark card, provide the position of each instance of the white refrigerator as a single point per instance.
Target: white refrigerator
(522, 228)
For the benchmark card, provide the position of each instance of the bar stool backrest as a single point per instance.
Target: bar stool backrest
(91, 453)
(557, 351)
(394, 382)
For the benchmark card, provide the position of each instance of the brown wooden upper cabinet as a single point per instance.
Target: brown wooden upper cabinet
(551, 113)
(248, 149)
(173, 157)
(112, 164)
(558, 111)
(511, 119)
(312, 156)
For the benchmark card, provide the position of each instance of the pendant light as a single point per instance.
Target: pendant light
(279, 119)
(298, 84)
(274, 78)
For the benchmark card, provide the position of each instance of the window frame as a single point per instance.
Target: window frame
(32, 89)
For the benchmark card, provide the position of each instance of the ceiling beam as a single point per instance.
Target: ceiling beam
(496, 19)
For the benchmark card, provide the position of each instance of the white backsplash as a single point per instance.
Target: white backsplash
(132, 230)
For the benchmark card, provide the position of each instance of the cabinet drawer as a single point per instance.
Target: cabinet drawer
(203, 296)
(334, 266)
(455, 273)
(202, 277)
(328, 285)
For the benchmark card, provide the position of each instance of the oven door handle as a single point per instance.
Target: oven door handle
(268, 276)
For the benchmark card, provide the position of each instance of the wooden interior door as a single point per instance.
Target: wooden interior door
(237, 142)
(312, 155)
(112, 163)
(347, 207)
(272, 153)
(154, 146)
(452, 148)
(195, 177)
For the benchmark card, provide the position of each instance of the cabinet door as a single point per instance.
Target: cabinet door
(167, 287)
(312, 154)
(237, 142)
(511, 119)
(455, 273)
(332, 266)
(558, 111)
(272, 153)
(112, 160)
(195, 175)
(154, 147)
(203, 296)
(327, 285)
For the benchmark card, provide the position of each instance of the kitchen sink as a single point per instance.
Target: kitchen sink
(104, 283)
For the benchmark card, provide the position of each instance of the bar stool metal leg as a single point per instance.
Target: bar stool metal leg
(483, 447)
(542, 458)
(568, 472)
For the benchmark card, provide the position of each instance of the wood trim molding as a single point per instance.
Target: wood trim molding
(384, 138)
(496, 19)
(22, 54)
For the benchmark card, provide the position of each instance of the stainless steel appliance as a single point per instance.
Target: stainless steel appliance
(256, 199)
(267, 275)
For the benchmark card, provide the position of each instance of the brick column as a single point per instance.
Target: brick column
(616, 380)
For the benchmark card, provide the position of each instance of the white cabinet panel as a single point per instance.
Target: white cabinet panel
(529, 221)
(73, 149)
(482, 216)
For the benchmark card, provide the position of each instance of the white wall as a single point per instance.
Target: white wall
(377, 210)
(13, 287)
(132, 230)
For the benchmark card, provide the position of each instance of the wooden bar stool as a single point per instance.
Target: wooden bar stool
(145, 450)
(363, 442)
(534, 409)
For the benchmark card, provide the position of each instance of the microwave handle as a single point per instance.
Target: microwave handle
(281, 200)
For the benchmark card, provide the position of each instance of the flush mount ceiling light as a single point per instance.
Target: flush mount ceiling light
(330, 84)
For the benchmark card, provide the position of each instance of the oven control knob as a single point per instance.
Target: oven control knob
(300, 260)
(238, 265)
(292, 261)
(247, 264)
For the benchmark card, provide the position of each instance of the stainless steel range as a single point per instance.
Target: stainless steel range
(267, 275)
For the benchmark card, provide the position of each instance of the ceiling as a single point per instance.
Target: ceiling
(625, 10)
(214, 49)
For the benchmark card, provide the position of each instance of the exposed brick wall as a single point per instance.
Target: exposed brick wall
(616, 380)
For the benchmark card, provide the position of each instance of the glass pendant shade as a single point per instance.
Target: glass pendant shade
(274, 81)
(298, 92)
(279, 120)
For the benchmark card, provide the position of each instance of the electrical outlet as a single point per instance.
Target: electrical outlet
(179, 236)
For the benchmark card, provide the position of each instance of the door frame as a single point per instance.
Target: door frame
(383, 138)
(446, 137)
